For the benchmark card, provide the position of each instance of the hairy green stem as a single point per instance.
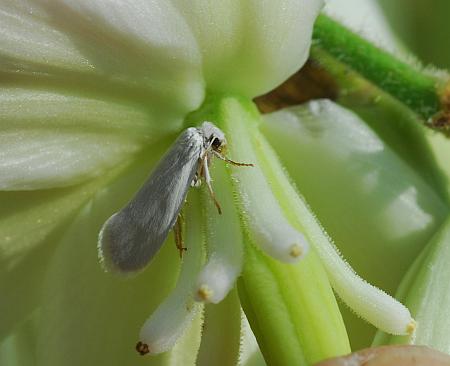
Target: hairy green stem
(420, 91)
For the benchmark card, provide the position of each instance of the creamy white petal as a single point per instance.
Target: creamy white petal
(246, 47)
(82, 308)
(134, 48)
(27, 35)
(267, 221)
(141, 62)
(50, 140)
(249, 47)
(366, 17)
(146, 39)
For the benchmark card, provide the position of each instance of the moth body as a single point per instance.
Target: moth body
(131, 237)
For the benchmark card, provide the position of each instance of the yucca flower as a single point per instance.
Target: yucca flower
(92, 95)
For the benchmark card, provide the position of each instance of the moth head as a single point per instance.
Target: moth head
(213, 137)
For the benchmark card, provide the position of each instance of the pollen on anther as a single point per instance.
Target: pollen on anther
(411, 327)
(142, 348)
(204, 293)
(295, 251)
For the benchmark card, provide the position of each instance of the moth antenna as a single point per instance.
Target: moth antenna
(224, 158)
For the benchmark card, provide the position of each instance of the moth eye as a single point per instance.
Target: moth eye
(216, 144)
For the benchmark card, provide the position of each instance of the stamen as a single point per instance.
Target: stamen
(268, 224)
(142, 348)
(368, 301)
(204, 293)
(223, 243)
(296, 251)
(168, 323)
(371, 303)
(411, 327)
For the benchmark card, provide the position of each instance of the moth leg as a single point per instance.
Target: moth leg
(197, 181)
(224, 158)
(178, 232)
(208, 183)
(206, 150)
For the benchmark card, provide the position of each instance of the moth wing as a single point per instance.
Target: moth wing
(131, 237)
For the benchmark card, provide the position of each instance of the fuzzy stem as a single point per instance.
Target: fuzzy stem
(423, 93)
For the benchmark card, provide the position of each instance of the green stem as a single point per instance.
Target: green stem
(222, 326)
(421, 92)
(289, 310)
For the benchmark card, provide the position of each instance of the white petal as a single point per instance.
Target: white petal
(147, 39)
(81, 307)
(33, 221)
(144, 46)
(50, 140)
(154, 54)
(164, 51)
(224, 241)
(251, 46)
(268, 224)
(28, 36)
(365, 17)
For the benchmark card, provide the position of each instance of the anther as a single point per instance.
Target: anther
(204, 293)
(295, 251)
(411, 327)
(142, 348)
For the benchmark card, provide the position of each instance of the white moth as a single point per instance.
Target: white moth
(131, 237)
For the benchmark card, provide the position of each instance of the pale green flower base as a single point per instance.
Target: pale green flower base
(291, 309)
